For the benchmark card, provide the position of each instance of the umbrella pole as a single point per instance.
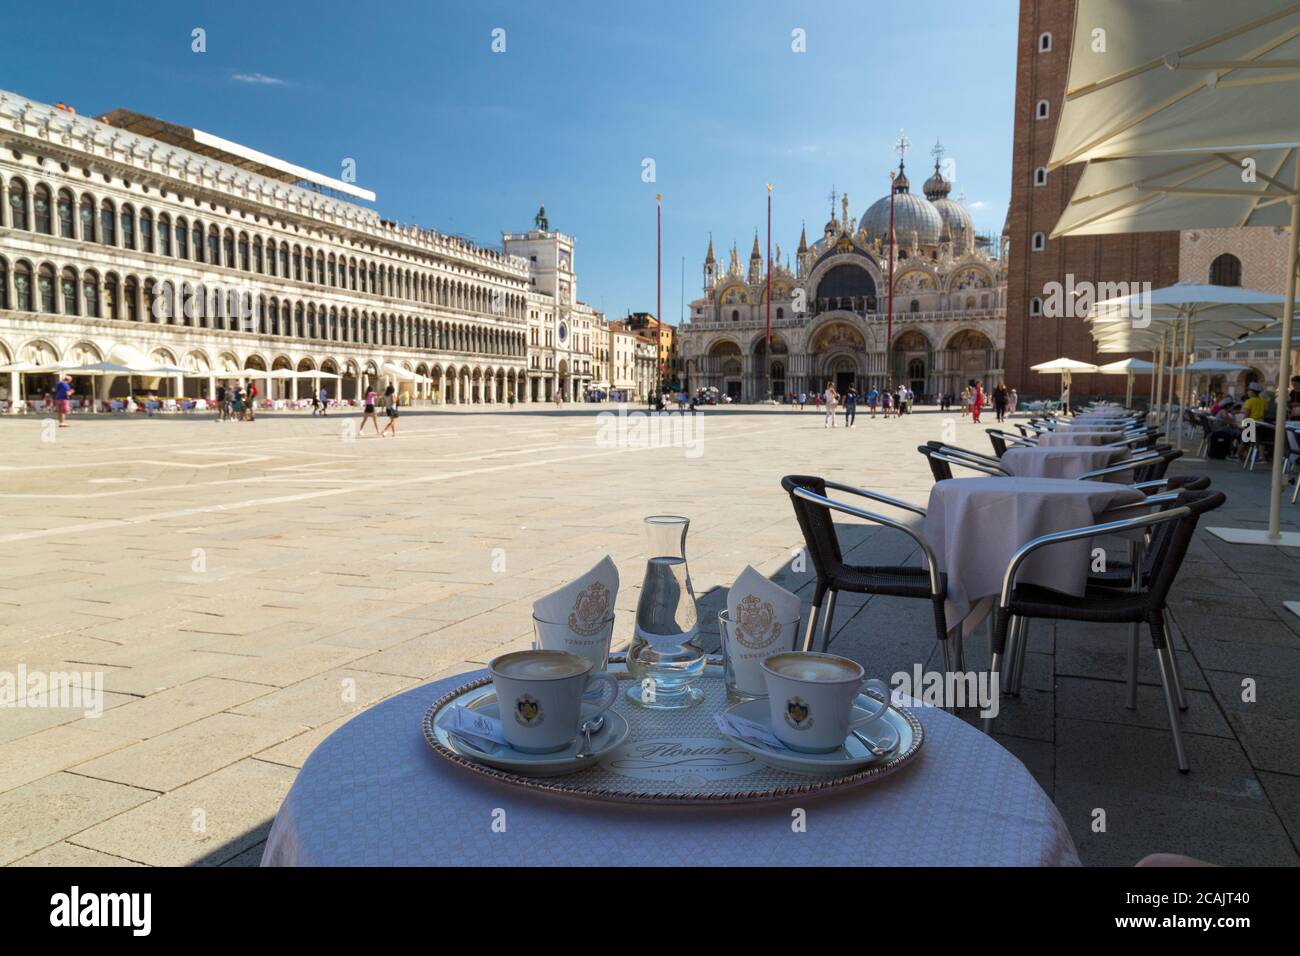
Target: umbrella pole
(1169, 394)
(1284, 372)
(1128, 392)
(1157, 377)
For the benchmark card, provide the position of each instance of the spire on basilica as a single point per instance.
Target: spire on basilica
(755, 254)
(803, 238)
(709, 258)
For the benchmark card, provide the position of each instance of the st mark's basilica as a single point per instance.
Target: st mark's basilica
(829, 312)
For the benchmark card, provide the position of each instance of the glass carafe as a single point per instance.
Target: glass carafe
(666, 656)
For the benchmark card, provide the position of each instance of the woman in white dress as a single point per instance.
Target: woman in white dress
(831, 399)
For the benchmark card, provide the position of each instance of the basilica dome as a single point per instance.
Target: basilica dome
(959, 229)
(914, 216)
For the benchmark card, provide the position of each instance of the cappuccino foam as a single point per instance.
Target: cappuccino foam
(813, 667)
(540, 665)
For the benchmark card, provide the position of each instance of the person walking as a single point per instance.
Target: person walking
(803, 400)
(221, 403)
(965, 401)
(368, 413)
(324, 400)
(1001, 398)
(237, 404)
(976, 400)
(390, 409)
(63, 393)
(1013, 399)
(831, 399)
(253, 392)
(885, 402)
(850, 407)
(873, 399)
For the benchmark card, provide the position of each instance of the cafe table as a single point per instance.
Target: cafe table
(976, 525)
(1053, 439)
(1057, 461)
(374, 793)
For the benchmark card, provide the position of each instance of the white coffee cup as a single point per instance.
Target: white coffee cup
(812, 697)
(541, 695)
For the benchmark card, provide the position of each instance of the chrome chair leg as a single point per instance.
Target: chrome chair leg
(814, 622)
(1179, 695)
(961, 649)
(828, 619)
(1008, 669)
(1164, 656)
(1022, 649)
(995, 680)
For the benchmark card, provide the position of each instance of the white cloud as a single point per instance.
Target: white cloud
(979, 204)
(259, 79)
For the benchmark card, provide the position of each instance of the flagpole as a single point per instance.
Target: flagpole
(769, 273)
(889, 308)
(659, 275)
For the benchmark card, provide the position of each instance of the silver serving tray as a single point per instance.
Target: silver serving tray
(673, 757)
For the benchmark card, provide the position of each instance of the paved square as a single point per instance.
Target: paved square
(244, 589)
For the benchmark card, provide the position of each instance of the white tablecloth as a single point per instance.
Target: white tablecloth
(975, 525)
(1054, 439)
(374, 794)
(1058, 461)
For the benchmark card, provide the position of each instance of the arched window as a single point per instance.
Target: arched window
(87, 213)
(780, 313)
(297, 263)
(131, 296)
(67, 219)
(165, 234)
(214, 246)
(68, 289)
(196, 240)
(4, 283)
(128, 227)
(43, 214)
(23, 287)
(228, 249)
(245, 262)
(257, 255)
(284, 260)
(311, 267)
(111, 297)
(146, 231)
(1039, 242)
(1035, 306)
(1042, 110)
(1044, 43)
(90, 293)
(107, 223)
(1225, 270)
(1040, 176)
(915, 305)
(45, 285)
(735, 315)
(17, 204)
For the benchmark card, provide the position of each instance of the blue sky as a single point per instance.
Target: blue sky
(454, 136)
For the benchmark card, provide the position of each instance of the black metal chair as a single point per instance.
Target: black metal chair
(1168, 532)
(813, 510)
(1000, 440)
(942, 457)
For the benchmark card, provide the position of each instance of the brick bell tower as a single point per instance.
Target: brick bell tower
(1037, 199)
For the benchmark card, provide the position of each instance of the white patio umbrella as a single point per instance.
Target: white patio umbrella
(1159, 77)
(95, 371)
(1129, 367)
(1215, 314)
(1188, 93)
(1065, 367)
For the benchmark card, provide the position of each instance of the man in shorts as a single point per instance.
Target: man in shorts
(63, 398)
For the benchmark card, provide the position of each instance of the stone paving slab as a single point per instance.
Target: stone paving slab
(260, 585)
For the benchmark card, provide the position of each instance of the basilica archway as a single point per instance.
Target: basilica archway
(910, 361)
(968, 354)
(725, 368)
(770, 369)
(838, 354)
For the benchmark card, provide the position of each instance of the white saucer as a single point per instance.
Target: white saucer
(886, 733)
(505, 757)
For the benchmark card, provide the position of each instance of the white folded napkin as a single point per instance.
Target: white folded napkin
(756, 606)
(583, 604)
